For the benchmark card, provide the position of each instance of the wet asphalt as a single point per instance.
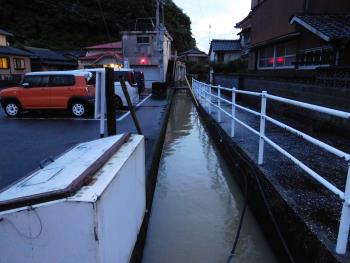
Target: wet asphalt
(32, 138)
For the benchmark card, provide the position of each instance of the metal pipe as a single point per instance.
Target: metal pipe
(233, 112)
(337, 113)
(310, 139)
(343, 233)
(262, 128)
(219, 104)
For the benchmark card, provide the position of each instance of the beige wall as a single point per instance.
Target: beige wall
(12, 71)
(3, 40)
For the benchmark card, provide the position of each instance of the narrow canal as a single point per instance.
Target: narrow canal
(197, 204)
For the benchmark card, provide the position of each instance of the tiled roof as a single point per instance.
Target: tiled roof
(49, 56)
(13, 51)
(225, 45)
(72, 53)
(329, 27)
(3, 32)
(97, 57)
(193, 51)
(112, 45)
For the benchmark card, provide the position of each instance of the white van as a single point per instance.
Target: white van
(130, 83)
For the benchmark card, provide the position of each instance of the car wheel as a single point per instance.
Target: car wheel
(78, 109)
(12, 109)
(118, 103)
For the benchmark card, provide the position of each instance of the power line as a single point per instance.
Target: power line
(104, 21)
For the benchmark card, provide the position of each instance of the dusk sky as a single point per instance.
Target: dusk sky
(222, 15)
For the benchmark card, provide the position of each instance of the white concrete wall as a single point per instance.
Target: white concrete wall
(100, 223)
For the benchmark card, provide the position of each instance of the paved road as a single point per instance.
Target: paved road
(26, 141)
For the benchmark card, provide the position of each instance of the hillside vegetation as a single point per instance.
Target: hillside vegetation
(68, 24)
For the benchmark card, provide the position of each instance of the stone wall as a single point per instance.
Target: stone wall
(312, 92)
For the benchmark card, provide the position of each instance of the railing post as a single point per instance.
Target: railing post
(233, 112)
(343, 234)
(262, 128)
(219, 103)
(209, 94)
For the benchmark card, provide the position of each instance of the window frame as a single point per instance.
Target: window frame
(37, 76)
(15, 63)
(220, 55)
(143, 42)
(275, 66)
(7, 62)
(50, 84)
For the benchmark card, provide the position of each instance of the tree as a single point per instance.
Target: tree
(72, 24)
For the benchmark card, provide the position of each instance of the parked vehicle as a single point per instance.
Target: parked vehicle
(130, 82)
(128, 75)
(140, 80)
(50, 90)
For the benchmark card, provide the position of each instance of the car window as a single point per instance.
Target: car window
(37, 81)
(119, 74)
(62, 80)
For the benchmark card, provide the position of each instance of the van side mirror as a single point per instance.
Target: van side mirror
(25, 85)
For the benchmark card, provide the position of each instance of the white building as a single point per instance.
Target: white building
(224, 51)
(141, 50)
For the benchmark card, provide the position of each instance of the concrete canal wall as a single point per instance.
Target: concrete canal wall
(151, 179)
(296, 220)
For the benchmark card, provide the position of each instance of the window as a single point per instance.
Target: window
(62, 80)
(279, 56)
(285, 54)
(19, 63)
(4, 63)
(221, 57)
(266, 57)
(142, 40)
(315, 57)
(37, 81)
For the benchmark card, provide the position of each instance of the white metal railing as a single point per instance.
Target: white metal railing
(205, 94)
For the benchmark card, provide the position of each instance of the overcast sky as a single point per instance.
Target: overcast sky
(222, 15)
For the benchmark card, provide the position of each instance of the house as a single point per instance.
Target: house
(72, 54)
(194, 55)
(43, 59)
(297, 35)
(103, 55)
(14, 62)
(245, 35)
(141, 50)
(224, 51)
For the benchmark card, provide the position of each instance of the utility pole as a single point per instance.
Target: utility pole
(160, 28)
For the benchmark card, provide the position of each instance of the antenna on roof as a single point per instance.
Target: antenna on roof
(209, 33)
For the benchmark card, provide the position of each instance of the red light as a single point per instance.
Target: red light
(271, 60)
(143, 61)
(280, 60)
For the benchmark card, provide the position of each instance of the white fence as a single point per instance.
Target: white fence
(210, 96)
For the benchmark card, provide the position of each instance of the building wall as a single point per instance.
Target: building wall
(151, 74)
(271, 19)
(3, 41)
(308, 40)
(134, 52)
(328, 6)
(228, 56)
(6, 73)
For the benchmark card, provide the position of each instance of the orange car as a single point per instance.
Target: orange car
(49, 90)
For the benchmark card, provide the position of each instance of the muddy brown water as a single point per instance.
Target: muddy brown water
(197, 204)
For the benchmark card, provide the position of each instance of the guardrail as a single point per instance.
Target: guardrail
(204, 94)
